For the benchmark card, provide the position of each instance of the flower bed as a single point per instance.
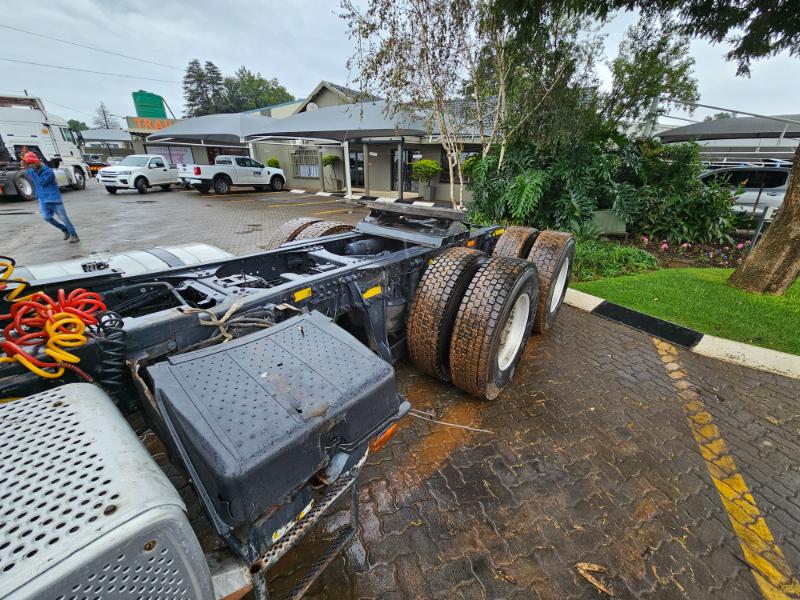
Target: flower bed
(695, 255)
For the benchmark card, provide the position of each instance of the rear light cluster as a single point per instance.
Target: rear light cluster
(196, 170)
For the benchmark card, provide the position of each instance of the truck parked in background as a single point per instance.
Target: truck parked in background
(25, 126)
(228, 171)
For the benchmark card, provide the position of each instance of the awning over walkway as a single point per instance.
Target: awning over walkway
(343, 123)
(225, 128)
(735, 128)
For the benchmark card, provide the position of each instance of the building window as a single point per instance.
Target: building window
(305, 163)
(444, 177)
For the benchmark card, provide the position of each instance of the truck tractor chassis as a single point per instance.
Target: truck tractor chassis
(245, 392)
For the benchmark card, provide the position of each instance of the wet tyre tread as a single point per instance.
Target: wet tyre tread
(471, 356)
(515, 242)
(323, 228)
(288, 231)
(547, 254)
(434, 306)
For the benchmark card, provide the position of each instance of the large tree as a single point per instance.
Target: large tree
(77, 125)
(246, 90)
(755, 29)
(103, 119)
(202, 89)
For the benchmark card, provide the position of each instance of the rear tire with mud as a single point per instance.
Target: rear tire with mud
(515, 242)
(492, 325)
(289, 231)
(434, 306)
(322, 229)
(553, 254)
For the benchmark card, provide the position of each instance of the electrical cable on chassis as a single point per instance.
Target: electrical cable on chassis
(258, 384)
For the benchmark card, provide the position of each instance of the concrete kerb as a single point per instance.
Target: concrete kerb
(739, 353)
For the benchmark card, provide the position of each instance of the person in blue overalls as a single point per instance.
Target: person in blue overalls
(51, 204)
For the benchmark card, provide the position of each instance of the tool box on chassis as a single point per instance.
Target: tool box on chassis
(272, 426)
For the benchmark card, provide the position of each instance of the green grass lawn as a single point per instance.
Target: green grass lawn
(701, 299)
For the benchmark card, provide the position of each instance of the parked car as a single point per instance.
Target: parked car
(114, 160)
(139, 172)
(763, 185)
(229, 171)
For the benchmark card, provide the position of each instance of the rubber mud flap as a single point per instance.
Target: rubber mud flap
(288, 231)
(515, 242)
(434, 306)
(553, 254)
(322, 229)
(492, 326)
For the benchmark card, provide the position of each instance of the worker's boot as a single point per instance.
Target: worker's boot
(74, 238)
(66, 235)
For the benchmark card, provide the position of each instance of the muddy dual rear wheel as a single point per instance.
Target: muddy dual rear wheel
(322, 229)
(289, 231)
(472, 315)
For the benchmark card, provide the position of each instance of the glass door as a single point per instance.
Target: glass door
(409, 185)
(356, 169)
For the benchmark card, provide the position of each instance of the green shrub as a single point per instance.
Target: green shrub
(595, 259)
(274, 163)
(425, 169)
(654, 187)
(330, 160)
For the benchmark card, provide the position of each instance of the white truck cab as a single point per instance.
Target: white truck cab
(25, 126)
(140, 172)
(228, 171)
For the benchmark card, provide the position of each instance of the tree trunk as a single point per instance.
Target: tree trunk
(774, 263)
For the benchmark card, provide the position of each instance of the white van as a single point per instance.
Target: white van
(25, 126)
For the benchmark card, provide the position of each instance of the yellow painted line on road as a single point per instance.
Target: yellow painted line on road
(329, 212)
(767, 562)
(303, 203)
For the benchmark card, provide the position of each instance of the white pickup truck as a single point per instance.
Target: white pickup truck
(228, 171)
(139, 172)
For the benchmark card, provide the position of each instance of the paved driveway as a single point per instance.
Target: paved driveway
(677, 474)
(236, 222)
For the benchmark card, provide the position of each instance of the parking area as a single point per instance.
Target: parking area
(669, 474)
(236, 222)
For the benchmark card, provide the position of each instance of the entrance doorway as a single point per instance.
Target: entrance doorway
(356, 169)
(409, 185)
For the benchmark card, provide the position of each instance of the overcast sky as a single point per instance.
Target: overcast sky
(299, 42)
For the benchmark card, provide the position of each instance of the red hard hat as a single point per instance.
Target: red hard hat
(30, 157)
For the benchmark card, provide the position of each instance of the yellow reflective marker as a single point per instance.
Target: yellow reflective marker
(500, 231)
(373, 291)
(302, 294)
(767, 562)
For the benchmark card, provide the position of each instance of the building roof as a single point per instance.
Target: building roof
(270, 107)
(735, 128)
(106, 135)
(223, 128)
(343, 122)
(349, 95)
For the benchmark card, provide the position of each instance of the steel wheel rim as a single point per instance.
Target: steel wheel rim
(514, 331)
(25, 187)
(558, 289)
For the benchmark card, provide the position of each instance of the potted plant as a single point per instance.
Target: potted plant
(274, 163)
(425, 170)
(331, 160)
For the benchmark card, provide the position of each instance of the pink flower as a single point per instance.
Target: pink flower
(645, 240)
(664, 246)
(747, 243)
(740, 245)
(686, 245)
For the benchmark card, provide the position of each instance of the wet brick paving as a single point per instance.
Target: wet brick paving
(590, 457)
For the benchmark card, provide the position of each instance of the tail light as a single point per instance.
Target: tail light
(196, 170)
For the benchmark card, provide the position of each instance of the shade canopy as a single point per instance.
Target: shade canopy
(342, 123)
(224, 128)
(735, 128)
